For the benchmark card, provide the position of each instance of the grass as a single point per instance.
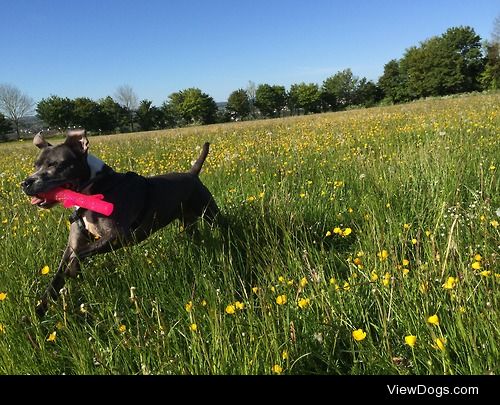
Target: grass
(283, 290)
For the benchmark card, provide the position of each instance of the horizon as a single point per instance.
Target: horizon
(89, 50)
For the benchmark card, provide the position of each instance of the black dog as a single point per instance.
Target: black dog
(142, 205)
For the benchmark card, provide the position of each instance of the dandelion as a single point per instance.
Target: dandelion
(284, 355)
(494, 223)
(433, 320)
(406, 226)
(281, 279)
(239, 305)
(337, 230)
(383, 255)
(373, 276)
(333, 281)
(193, 327)
(478, 257)
(485, 273)
(255, 290)
(358, 335)
(414, 241)
(277, 369)
(45, 270)
(440, 343)
(189, 306)
(476, 265)
(203, 303)
(406, 262)
(303, 282)
(405, 271)
(410, 340)
(3, 296)
(52, 337)
(428, 233)
(251, 198)
(357, 261)
(346, 286)
(281, 299)
(230, 309)
(122, 328)
(328, 233)
(303, 303)
(450, 283)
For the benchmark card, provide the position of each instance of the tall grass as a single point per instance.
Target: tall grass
(283, 289)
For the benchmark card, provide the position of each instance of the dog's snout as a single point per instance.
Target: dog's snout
(26, 184)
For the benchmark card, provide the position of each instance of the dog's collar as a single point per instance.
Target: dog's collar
(97, 167)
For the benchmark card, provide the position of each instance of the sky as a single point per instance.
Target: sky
(88, 48)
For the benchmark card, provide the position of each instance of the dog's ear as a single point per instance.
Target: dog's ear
(40, 142)
(77, 140)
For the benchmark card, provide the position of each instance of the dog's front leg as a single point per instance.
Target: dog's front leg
(68, 266)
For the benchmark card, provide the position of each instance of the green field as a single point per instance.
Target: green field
(368, 221)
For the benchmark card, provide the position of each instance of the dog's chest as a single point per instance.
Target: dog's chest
(92, 225)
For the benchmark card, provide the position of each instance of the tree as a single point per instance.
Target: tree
(87, 114)
(112, 115)
(191, 106)
(367, 93)
(238, 104)
(251, 90)
(304, 96)
(56, 111)
(148, 116)
(127, 98)
(448, 64)
(490, 78)
(393, 82)
(15, 105)
(5, 126)
(339, 90)
(270, 100)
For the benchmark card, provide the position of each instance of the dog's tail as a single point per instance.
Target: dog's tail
(195, 169)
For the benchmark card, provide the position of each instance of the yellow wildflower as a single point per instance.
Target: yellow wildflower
(346, 286)
(333, 281)
(414, 241)
(476, 265)
(284, 355)
(478, 257)
(122, 328)
(3, 296)
(358, 335)
(45, 270)
(239, 305)
(494, 223)
(346, 232)
(303, 282)
(303, 303)
(433, 320)
(277, 369)
(193, 327)
(405, 271)
(386, 280)
(410, 340)
(281, 279)
(450, 283)
(486, 273)
(255, 290)
(383, 255)
(406, 226)
(406, 262)
(189, 306)
(440, 343)
(281, 299)
(337, 230)
(52, 337)
(328, 233)
(230, 309)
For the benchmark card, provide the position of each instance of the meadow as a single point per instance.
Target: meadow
(359, 242)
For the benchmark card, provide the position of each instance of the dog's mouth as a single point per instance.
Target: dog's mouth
(42, 202)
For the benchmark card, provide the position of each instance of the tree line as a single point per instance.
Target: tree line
(454, 62)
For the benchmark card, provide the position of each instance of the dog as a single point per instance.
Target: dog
(142, 205)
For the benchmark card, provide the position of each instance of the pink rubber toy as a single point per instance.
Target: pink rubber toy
(70, 198)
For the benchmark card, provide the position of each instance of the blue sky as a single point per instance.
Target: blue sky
(90, 47)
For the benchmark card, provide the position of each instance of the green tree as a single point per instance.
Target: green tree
(111, 115)
(148, 116)
(339, 90)
(367, 93)
(270, 100)
(5, 126)
(192, 106)
(56, 111)
(490, 78)
(87, 114)
(304, 96)
(448, 64)
(238, 104)
(393, 82)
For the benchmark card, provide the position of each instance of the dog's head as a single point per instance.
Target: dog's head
(64, 165)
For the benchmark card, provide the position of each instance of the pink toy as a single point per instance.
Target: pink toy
(71, 198)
